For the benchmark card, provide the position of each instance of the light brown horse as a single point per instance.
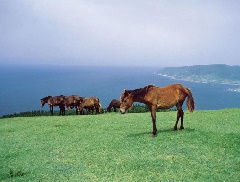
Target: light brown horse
(159, 98)
(90, 103)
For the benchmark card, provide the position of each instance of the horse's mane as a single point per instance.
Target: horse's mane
(141, 91)
(46, 98)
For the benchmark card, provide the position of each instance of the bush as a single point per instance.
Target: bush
(138, 108)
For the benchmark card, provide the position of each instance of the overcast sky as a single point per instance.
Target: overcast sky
(120, 32)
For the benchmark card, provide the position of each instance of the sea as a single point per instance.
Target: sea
(22, 87)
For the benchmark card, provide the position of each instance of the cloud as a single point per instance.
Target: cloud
(107, 32)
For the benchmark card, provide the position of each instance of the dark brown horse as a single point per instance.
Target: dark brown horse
(114, 104)
(54, 101)
(90, 103)
(72, 101)
(159, 98)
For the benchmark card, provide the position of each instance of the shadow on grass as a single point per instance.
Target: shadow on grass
(160, 131)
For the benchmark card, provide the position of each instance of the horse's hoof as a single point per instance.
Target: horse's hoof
(153, 135)
(174, 129)
(181, 128)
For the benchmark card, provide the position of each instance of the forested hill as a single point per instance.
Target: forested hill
(216, 73)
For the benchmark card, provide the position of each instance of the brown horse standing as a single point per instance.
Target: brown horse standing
(72, 101)
(159, 98)
(90, 103)
(114, 104)
(54, 101)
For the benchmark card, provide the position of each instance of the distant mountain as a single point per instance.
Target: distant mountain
(216, 73)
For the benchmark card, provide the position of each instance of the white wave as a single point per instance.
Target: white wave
(234, 89)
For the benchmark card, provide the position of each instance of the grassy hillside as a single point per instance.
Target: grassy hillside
(114, 147)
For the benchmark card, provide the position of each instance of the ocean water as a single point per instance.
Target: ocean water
(22, 87)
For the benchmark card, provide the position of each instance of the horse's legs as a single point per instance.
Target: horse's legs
(63, 110)
(180, 114)
(60, 107)
(81, 112)
(153, 114)
(51, 110)
(76, 110)
(97, 107)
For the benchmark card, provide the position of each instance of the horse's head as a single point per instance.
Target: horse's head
(126, 101)
(108, 109)
(44, 100)
(100, 109)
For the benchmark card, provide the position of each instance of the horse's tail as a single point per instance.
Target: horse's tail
(190, 100)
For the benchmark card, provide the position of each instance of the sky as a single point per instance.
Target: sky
(120, 33)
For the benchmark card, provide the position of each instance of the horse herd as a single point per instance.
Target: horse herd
(152, 96)
(90, 104)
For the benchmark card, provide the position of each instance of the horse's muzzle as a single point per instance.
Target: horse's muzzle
(122, 111)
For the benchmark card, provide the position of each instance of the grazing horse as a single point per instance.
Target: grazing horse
(54, 101)
(159, 98)
(72, 101)
(114, 104)
(90, 103)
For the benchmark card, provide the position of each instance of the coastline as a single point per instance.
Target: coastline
(199, 81)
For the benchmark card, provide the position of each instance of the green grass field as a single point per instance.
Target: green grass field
(115, 147)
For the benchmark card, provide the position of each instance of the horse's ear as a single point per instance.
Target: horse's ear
(125, 92)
